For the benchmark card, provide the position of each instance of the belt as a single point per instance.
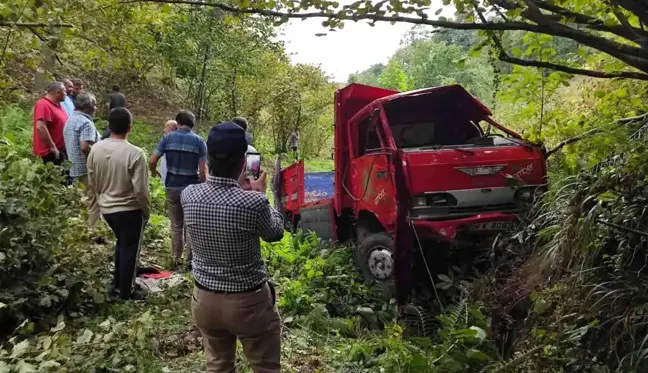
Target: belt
(202, 287)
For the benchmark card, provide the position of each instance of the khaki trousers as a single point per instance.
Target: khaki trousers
(178, 231)
(251, 317)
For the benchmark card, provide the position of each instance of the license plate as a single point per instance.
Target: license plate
(492, 226)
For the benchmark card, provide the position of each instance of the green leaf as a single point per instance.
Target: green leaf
(60, 326)
(517, 52)
(621, 93)
(4, 368)
(600, 93)
(540, 306)
(545, 38)
(477, 355)
(86, 337)
(20, 349)
(444, 278)
(25, 367)
(606, 196)
(438, 11)
(48, 364)
(480, 334)
(105, 325)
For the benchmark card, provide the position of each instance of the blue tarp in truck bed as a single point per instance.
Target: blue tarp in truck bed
(317, 186)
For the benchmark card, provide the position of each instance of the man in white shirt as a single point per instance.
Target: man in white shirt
(118, 187)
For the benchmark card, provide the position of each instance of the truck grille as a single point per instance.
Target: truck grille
(455, 212)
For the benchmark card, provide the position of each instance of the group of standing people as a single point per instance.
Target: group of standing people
(216, 212)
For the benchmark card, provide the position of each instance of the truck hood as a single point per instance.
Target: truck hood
(488, 167)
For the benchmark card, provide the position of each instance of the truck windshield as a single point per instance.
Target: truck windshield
(446, 121)
(429, 134)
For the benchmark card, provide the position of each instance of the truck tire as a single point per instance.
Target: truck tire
(373, 257)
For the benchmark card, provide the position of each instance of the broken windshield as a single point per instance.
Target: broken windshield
(420, 122)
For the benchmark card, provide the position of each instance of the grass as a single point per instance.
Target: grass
(319, 165)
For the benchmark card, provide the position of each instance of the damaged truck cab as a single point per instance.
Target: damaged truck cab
(412, 171)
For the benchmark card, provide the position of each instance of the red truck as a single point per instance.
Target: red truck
(413, 172)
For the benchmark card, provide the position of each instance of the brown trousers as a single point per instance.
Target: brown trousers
(251, 317)
(178, 231)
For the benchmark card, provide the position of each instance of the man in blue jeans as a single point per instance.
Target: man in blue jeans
(186, 163)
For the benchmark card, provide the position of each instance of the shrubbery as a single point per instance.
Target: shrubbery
(47, 263)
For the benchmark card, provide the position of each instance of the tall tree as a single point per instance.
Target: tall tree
(612, 27)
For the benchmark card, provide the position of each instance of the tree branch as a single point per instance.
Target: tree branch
(43, 39)
(629, 32)
(633, 56)
(35, 24)
(504, 57)
(635, 7)
(594, 131)
(571, 70)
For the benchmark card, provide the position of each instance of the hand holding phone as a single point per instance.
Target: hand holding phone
(253, 167)
(259, 185)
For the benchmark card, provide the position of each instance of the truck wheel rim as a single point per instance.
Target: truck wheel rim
(380, 263)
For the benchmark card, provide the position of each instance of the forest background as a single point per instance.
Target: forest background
(582, 308)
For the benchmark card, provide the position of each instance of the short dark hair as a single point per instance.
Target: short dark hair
(242, 122)
(229, 167)
(77, 81)
(186, 118)
(115, 88)
(119, 120)
(55, 86)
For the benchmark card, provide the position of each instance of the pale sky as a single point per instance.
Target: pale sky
(353, 48)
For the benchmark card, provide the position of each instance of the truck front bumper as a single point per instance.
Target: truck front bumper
(481, 224)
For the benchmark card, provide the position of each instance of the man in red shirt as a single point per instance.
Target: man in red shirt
(49, 120)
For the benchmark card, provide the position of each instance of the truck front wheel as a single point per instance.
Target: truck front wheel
(374, 258)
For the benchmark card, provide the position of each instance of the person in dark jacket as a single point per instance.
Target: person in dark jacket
(243, 123)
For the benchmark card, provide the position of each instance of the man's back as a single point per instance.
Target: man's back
(183, 149)
(116, 99)
(225, 223)
(79, 127)
(119, 178)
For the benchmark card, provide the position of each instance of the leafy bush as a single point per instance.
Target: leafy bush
(15, 129)
(310, 274)
(47, 261)
(111, 346)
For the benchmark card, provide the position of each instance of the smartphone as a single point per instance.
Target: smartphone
(253, 168)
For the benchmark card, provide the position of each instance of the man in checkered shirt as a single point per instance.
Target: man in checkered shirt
(232, 298)
(80, 134)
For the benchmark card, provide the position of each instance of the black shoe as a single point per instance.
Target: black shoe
(137, 294)
(113, 292)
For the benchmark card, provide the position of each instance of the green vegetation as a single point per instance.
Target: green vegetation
(565, 293)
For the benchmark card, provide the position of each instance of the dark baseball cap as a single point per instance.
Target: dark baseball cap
(227, 139)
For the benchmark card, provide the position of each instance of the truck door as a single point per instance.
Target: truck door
(370, 183)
